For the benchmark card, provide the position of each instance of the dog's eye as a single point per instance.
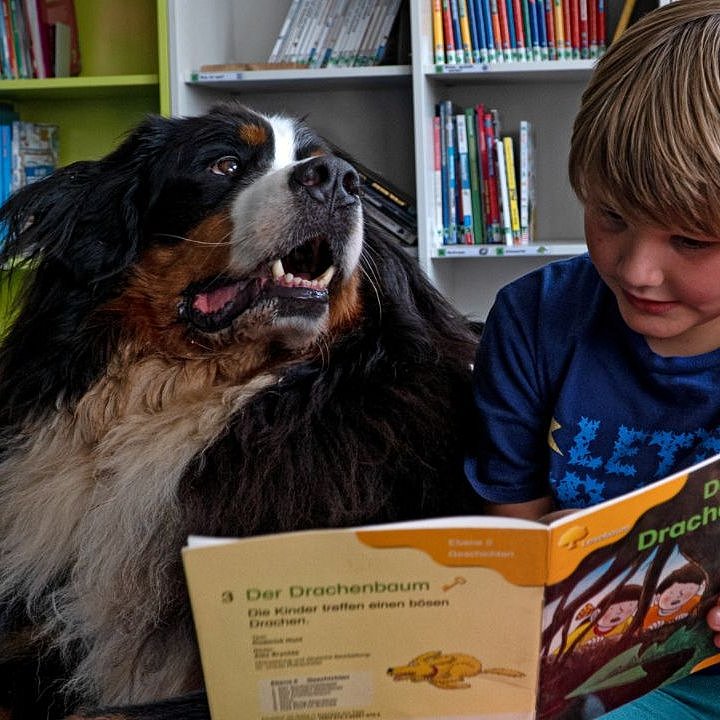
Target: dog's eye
(227, 165)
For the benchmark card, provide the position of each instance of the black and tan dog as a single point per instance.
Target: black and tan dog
(208, 344)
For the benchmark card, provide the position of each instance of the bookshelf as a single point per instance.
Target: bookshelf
(124, 60)
(383, 116)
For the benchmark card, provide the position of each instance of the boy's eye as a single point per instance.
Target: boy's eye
(613, 220)
(688, 243)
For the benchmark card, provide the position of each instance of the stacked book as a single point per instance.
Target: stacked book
(328, 33)
(484, 180)
(28, 151)
(388, 211)
(490, 31)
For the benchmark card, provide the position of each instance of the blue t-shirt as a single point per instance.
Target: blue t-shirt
(574, 404)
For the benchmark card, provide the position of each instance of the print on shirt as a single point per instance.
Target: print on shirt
(591, 460)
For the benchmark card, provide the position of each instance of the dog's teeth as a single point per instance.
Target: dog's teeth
(326, 277)
(277, 269)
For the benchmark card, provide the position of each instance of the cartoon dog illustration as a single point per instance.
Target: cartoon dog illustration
(446, 671)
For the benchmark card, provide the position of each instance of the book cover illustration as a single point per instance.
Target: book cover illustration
(472, 617)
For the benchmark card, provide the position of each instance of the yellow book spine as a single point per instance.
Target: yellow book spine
(559, 28)
(512, 189)
(438, 37)
(465, 31)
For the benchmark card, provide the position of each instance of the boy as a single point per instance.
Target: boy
(600, 374)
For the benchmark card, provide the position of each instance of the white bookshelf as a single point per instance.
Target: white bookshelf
(383, 116)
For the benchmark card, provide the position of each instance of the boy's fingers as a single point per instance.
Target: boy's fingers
(713, 620)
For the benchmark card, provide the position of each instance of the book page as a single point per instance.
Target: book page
(385, 623)
(630, 583)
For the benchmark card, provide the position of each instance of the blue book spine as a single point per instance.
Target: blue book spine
(542, 27)
(481, 30)
(511, 29)
(534, 33)
(457, 35)
(474, 35)
(487, 23)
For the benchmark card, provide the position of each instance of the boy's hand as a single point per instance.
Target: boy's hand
(713, 620)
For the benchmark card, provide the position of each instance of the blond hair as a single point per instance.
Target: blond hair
(646, 140)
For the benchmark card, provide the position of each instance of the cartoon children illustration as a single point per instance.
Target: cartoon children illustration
(677, 596)
(609, 620)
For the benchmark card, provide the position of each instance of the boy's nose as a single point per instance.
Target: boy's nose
(640, 263)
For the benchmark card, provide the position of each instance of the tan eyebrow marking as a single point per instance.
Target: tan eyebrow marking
(253, 134)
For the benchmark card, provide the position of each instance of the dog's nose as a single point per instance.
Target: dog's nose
(328, 179)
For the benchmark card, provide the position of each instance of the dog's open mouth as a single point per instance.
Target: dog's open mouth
(299, 280)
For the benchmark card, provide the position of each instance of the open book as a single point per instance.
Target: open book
(473, 617)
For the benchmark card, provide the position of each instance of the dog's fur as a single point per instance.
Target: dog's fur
(158, 382)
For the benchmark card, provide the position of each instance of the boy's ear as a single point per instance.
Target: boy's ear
(84, 216)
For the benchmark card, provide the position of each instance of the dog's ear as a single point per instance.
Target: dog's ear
(86, 216)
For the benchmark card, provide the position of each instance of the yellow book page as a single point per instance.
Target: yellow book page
(355, 631)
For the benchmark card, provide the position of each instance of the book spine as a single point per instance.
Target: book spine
(559, 26)
(276, 52)
(13, 72)
(534, 30)
(438, 38)
(450, 149)
(466, 214)
(504, 30)
(550, 30)
(475, 177)
(457, 33)
(542, 28)
(512, 33)
(333, 34)
(437, 181)
(444, 172)
(450, 54)
(350, 20)
(399, 231)
(465, 35)
(492, 48)
(317, 37)
(592, 28)
(297, 26)
(521, 38)
(493, 234)
(601, 26)
(475, 31)
(362, 56)
(575, 28)
(584, 31)
(512, 189)
(506, 232)
(385, 30)
(567, 28)
(524, 149)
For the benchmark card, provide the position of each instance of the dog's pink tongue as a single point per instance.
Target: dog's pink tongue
(211, 302)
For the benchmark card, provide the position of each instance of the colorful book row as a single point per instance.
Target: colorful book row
(322, 33)
(488, 31)
(38, 39)
(484, 181)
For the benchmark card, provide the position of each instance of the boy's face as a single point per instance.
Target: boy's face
(667, 284)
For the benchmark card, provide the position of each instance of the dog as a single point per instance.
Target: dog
(447, 671)
(208, 342)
